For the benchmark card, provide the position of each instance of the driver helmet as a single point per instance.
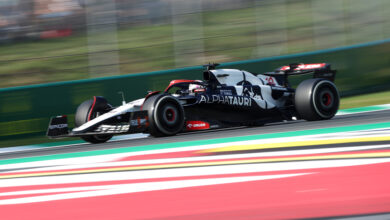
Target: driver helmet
(194, 88)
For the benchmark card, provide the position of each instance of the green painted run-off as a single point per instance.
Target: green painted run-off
(364, 109)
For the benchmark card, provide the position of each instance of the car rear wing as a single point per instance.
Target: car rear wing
(319, 70)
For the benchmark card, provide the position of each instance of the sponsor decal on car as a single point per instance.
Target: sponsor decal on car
(270, 80)
(59, 126)
(197, 125)
(225, 92)
(112, 128)
(138, 122)
(279, 88)
(226, 99)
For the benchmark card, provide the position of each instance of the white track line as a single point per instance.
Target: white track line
(137, 187)
(186, 172)
(206, 158)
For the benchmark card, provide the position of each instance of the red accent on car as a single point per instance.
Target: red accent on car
(139, 122)
(328, 99)
(176, 81)
(306, 66)
(93, 106)
(147, 121)
(172, 112)
(199, 90)
(270, 81)
(197, 125)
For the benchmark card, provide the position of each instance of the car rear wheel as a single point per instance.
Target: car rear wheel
(166, 115)
(89, 110)
(316, 99)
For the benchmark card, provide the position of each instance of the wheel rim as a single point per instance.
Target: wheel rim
(168, 115)
(325, 99)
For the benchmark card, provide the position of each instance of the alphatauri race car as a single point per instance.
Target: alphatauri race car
(224, 98)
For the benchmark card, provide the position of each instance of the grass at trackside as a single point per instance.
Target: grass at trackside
(348, 102)
(365, 100)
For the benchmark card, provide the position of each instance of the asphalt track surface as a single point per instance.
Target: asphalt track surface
(337, 121)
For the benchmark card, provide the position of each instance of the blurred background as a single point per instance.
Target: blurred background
(55, 40)
(108, 42)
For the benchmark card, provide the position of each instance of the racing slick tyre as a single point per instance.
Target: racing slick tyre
(89, 110)
(316, 99)
(166, 115)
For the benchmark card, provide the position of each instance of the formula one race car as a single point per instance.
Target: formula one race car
(224, 98)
